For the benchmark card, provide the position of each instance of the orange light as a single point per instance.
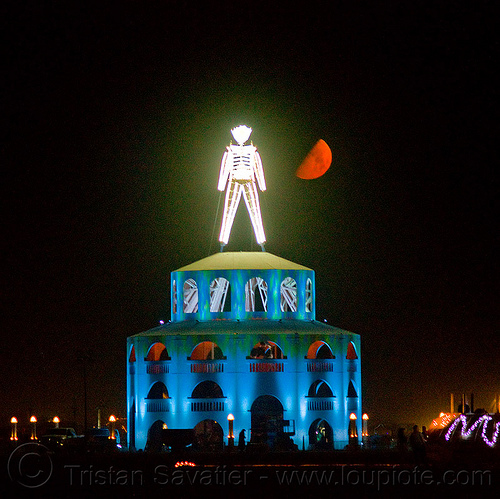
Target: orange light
(56, 420)
(230, 417)
(32, 419)
(112, 419)
(353, 416)
(13, 420)
(365, 417)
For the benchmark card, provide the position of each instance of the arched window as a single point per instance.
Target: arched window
(206, 350)
(132, 355)
(351, 390)
(190, 296)
(207, 390)
(309, 295)
(157, 351)
(266, 418)
(266, 350)
(351, 352)
(320, 388)
(288, 293)
(220, 295)
(256, 295)
(320, 350)
(174, 297)
(158, 391)
(320, 435)
(208, 436)
(154, 440)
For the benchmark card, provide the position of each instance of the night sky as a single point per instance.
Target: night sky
(115, 120)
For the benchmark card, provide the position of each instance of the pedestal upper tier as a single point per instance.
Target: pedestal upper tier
(243, 285)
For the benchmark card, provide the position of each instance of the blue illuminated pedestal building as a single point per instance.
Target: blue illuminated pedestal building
(243, 340)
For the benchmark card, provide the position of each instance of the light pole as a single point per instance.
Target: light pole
(56, 421)
(365, 425)
(112, 420)
(85, 358)
(13, 433)
(230, 438)
(33, 427)
(353, 430)
(364, 433)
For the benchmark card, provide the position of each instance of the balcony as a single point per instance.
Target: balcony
(214, 405)
(320, 405)
(157, 367)
(267, 366)
(352, 365)
(157, 405)
(320, 366)
(210, 367)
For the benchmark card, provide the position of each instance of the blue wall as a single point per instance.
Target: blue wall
(243, 379)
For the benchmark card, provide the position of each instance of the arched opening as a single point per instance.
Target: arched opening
(207, 390)
(208, 435)
(309, 295)
(351, 352)
(174, 297)
(256, 295)
(351, 390)
(266, 419)
(220, 295)
(131, 357)
(266, 350)
(320, 388)
(158, 391)
(206, 350)
(154, 441)
(288, 293)
(320, 435)
(190, 305)
(320, 350)
(157, 351)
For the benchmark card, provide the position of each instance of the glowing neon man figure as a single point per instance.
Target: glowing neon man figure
(240, 168)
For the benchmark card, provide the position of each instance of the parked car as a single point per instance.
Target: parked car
(56, 438)
(99, 440)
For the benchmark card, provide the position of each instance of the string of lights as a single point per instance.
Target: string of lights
(466, 432)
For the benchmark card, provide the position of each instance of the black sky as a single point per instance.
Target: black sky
(115, 120)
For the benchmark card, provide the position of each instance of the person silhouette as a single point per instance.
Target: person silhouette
(241, 440)
(417, 443)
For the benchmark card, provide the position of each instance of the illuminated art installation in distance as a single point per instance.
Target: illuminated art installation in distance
(240, 172)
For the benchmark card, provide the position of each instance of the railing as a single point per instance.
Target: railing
(159, 367)
(207, 367)
(320, 366)
(352, 365)
(267, 367)
(207, 405)
(320, 405)
(160, 405)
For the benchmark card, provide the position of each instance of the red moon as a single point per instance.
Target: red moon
(316, 162)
